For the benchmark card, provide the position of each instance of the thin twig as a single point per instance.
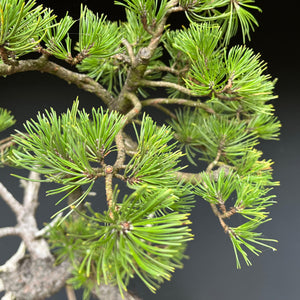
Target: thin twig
(129, 50)
(215, 162)
(178, 101)
(46, 229)
(166, 111)
(167, 69)
(166, 84)
(70, 293)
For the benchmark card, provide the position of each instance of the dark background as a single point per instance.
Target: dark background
(210, 273)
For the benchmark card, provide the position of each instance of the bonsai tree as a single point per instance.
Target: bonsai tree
(216, 100)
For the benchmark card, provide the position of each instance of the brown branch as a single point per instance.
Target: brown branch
(178, 101)
(129, 50)
(165, 69)
(193, 178)
(215, 162)
(196, 178)
(166, 84)
(42, 64)
(109, 187)
(70, 293)
(109, 292)
(137, 106)
(141, 60)
(227, 98)
(121, 151)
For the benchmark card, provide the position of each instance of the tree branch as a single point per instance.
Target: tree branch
(165, 69)
(166, 84)
(31, 191)
(178, 101)
(109, 292)
(129, 50)
(10, 200)
(137, 106)
(70, 293)
(121, 151)
(42, 64)
(7, 231)
(196, 178)
(141, 60)
(12, 263)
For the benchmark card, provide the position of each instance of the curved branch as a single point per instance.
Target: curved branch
(166, 84)
(178, 101)
(196, 178)
(137, 106)
(42, 64)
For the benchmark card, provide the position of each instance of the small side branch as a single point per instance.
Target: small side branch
(196, 178)
(178, 101)
(129, 50)
(7, 231)
(137, 106)
(166, 84)
(26, 226)
(70, 293)
(216, 160)
(9, 199)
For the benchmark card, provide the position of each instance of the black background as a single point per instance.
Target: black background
(210, 273)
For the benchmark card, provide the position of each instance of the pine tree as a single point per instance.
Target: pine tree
(216, 99)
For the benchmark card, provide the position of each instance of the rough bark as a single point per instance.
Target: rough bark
(35, 279)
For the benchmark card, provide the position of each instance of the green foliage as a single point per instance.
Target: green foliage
(145, 232)
(256, 170)
(136, 239)
(22, 26)
(229, 14)
(55, 38)
(232, 80)
(63, 147)
(150, 11)
(154, 157)
(97, 37)
(213, 136)
(134, 31)
(99, 41)
(6, 119)
(250, 201)
(246, 71)
(199, 40)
